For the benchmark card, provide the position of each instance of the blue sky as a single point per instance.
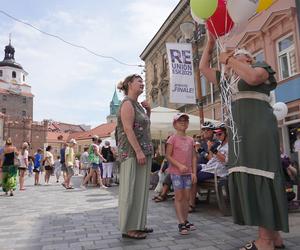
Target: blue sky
(69, 84)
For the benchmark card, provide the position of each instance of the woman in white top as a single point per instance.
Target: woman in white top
(23, 157)
(49, 162)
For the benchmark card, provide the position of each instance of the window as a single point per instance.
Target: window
(165, 63)
(155, 72)
(1, 73)
(259, 56)
(286, 57)
(24, 100)
(23, 78)
(23, 113)
(14, 74)
(4, 98)
(203, 85)
(3, 110)
(164, 97)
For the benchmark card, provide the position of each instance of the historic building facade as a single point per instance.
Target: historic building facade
(272, 35)
(157, 68)
(16, 99)
(114, 108)
(16, 105)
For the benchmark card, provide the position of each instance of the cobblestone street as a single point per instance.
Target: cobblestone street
(50, 217)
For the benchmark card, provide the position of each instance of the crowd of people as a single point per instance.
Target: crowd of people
(256, 180)
(94, 164)
(255, 171)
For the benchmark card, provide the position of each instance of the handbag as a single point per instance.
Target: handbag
(17, 162)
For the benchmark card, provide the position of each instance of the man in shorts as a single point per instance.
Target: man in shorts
(70, 159)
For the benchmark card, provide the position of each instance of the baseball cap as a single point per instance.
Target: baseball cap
(73, 141)
(219, 130)
(178, 115)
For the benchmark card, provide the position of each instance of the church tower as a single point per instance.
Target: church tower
(114, 108)
(16, 99)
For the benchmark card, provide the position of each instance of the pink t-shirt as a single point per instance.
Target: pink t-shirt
(183, 147)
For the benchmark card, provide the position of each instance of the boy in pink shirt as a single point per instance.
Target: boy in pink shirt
(182, 160)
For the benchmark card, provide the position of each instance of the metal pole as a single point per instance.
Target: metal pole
(197, 73)
(298, 12)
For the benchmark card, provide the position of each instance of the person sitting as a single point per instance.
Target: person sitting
(164, 184)
(290, 173)
(217, 155)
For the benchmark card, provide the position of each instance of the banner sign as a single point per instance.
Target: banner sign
(182, 81)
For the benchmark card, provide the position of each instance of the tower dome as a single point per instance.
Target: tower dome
(9, 57)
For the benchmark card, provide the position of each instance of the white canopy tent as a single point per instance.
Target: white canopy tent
(162, 123)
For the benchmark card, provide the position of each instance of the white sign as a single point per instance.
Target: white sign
(182, 81)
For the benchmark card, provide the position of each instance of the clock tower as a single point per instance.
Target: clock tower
(16, 99)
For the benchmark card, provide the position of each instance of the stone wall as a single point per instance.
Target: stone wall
(20, 130)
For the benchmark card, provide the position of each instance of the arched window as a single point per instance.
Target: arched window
(23, 113)
(14, 74)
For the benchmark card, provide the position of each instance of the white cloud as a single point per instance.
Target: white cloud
(70, 84)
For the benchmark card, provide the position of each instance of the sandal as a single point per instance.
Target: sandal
(154, 197)
(135, 235)
(183, 229)
(190, 226)
(160, 198)
(147, 230)
(249, 246)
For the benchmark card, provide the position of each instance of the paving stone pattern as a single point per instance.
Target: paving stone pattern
(52, 218)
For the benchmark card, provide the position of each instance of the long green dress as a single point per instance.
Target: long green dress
(256, 180)
(134, 179)
(9, 173)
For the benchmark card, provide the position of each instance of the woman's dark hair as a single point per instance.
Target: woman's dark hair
(48, 148)
(124, 85)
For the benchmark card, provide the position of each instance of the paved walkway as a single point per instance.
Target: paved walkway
(50, 217)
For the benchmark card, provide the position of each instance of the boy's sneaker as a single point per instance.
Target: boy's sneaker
(83, 187)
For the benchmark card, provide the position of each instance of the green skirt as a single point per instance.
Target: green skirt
(9, 178)
(133, 194)
(256, 179)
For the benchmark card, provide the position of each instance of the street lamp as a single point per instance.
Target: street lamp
(192, 33)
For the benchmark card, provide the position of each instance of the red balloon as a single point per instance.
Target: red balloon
(220, 22)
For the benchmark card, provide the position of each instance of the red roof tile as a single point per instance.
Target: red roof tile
(103, 130)
(57, 136)
(65, 127)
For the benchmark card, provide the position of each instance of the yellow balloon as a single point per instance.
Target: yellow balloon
(263, 5)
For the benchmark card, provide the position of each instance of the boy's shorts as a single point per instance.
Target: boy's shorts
(70, 170)
(181, 181)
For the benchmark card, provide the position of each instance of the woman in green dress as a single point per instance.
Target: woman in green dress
(135, 155)
(9, 170)
(256, 181)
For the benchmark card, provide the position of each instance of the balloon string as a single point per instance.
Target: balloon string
(227, 88)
